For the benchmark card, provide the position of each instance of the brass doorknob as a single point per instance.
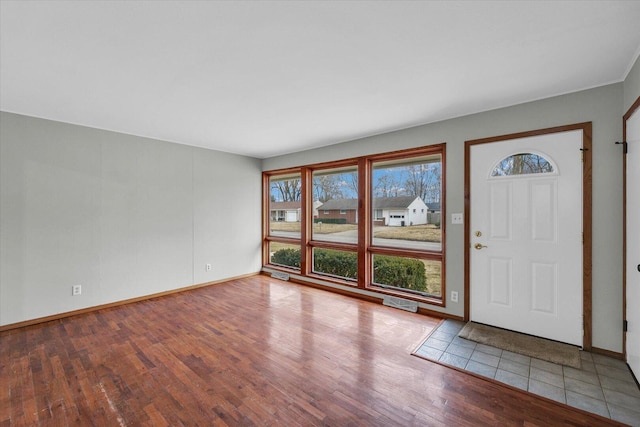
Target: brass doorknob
(479, 246)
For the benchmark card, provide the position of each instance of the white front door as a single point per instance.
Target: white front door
(633, 243)
(526, 235)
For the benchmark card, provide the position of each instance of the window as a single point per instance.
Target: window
(284, 255)
(285, 193)
(402, 186)
(522, 164)
(336, 191)
(283, 196)
(336, 263)
(415, 275)
(377, 227)
(407, 251)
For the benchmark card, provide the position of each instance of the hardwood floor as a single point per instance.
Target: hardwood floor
(253, 351)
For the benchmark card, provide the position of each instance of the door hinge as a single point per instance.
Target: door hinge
(625, 326)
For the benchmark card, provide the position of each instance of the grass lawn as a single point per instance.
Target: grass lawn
(420, 233)
(284, 226)
(332, 228)
(434, 282)
(317, 228)
(276, 246)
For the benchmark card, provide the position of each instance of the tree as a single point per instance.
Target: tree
(387, 185)
(335, 186)
(286, 190)
(523, 163)
(423, 181)
(351, 181)
(327, 187)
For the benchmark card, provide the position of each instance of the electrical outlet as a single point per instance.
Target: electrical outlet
(454, 296)
(76, 290)
(457, 218)
(207, 267)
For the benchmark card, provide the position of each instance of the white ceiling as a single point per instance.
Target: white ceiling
(267, 78)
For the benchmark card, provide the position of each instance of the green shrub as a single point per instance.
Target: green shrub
(336, 263)
(288, 256)
(403, 273)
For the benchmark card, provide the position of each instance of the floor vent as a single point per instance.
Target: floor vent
(279, 275)
(402, 304)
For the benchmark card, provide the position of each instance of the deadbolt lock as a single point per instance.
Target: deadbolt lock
(478, 233)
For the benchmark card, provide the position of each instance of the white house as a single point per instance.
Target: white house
(400, 211)
(285, 211)
(289, 211)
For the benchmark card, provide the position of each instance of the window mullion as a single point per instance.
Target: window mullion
(306, 224)
(266, 215)
(364, 224)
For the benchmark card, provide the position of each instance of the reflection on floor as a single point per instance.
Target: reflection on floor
(604, 386)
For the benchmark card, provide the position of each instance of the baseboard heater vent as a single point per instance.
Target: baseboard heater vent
(279, 275)
(402, 304)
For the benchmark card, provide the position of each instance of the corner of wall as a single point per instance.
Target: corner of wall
(631, 86)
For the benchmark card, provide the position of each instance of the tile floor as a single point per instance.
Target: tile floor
(604, 385)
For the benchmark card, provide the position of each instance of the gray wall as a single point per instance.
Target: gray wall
(603, 106)
(120, 215)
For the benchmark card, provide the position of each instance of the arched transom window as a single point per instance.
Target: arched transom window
(522, 164)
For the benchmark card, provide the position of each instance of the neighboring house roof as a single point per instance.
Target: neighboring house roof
(339, 204)
(433, 206)
(283, 206)
(401, 202)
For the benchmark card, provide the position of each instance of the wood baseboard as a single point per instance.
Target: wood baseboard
(608, 353)
(116, 303)
(433, 313)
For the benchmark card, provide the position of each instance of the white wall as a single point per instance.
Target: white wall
(602, 106)
(120, 215)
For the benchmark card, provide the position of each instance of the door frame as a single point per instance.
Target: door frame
(627, 116)
(586, 215)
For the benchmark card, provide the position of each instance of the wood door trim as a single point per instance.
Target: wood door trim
(625, 118)
(586, 128)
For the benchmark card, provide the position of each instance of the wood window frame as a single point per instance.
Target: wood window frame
(267, 238)
(364, 247)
